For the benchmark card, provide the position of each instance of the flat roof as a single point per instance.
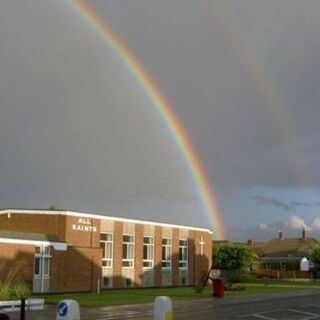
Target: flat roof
(101, 217)
(31, 238)
(13, 234)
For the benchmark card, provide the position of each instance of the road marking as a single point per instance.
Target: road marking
(260, 314)
(304, 312)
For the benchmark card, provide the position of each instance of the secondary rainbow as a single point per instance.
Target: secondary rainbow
(162, 106)
(244, 50)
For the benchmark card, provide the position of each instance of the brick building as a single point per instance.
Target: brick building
(61, 251)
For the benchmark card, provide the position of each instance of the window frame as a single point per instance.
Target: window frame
(148, 245)
(104, 250)
(129, 260)
(282, 265)
(183, 264)
(166, 247)
(44, 257)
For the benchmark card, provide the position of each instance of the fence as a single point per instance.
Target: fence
(14, 305)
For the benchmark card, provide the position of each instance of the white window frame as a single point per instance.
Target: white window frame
(129, 260)
(149, 261)
(183, 264)
(282, 265)
(168, 253)
(109, 260)
(44, 256)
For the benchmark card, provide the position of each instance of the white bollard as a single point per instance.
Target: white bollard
(68, 310)
(162, 308)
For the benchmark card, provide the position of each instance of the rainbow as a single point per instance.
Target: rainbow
(162, 106)
(245, 52)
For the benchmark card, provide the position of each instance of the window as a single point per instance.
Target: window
(282, 265)
(148, 252)
(183, 254)
(268, 265)
(166, 253)
(127, 251)
(42, 261)
(106, 281)
(106, 243)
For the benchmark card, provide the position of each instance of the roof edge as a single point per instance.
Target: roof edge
(101, 217)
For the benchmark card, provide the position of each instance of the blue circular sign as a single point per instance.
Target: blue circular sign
(62, 309)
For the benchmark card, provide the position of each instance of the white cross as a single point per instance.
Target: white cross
(201, 245)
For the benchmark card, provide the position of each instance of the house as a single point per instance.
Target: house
(64, 251)
(282, 257)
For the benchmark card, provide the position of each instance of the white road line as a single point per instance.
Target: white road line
(260, 313)
(260, 316)
(314, 315)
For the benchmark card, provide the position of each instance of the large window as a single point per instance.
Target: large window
(183, 254)
(166, 253)
(127, 251)
(106, 243)
(148, 252)
(42, 261)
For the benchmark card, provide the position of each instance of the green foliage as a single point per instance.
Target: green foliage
(5, 291)
(244, 278)
(8, 277)
(233, 257)
(22, 291)
(315, 255)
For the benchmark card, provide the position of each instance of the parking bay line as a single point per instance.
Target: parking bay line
(306, 313)
(260, 314)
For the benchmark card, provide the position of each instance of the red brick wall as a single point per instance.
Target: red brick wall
(202, 262)
(77, 269)
(157, 256)
(191, 258)
(138, 262)
(82, 238)
(175, 257)
(18, 257)
(38, 223)
(117, 255)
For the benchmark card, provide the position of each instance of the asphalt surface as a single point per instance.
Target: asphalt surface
(295, 305)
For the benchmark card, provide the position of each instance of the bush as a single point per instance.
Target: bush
(22, 291)
(5, 291)
(244, 278)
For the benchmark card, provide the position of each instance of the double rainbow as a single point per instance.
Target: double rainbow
(162, 106)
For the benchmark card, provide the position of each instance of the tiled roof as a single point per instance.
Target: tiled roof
(291, 247)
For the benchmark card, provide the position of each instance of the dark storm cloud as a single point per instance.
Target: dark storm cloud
(287, 206)
(77, 132)
(267, 201)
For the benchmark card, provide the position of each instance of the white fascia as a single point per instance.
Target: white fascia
(59, 246)
(103, 217)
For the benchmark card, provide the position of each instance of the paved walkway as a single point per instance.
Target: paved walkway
(145, 311)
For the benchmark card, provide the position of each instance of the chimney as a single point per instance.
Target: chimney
(281, 234)
(250, 243)
(304, 234)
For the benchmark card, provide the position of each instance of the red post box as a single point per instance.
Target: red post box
(218, 287)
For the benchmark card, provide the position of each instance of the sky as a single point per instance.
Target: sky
(78, 133)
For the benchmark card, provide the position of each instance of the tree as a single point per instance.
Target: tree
(233, 257)
(315, 255)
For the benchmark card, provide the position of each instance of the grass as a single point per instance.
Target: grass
(138, 296)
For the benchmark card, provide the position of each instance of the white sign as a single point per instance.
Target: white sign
(304, 264)
(68, 310)
(84, 224)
